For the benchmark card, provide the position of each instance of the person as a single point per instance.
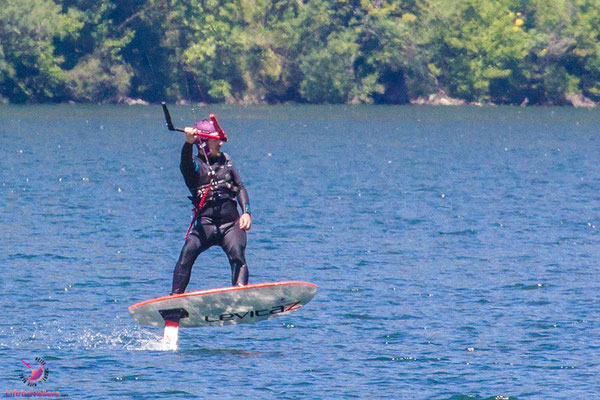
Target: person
(214, 185)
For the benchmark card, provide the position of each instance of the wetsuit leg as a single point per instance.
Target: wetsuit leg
(198, 241)
(234, 245)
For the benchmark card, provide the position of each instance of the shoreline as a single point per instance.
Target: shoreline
(435, 99)
(576, 100)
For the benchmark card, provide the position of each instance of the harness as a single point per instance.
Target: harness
(219, 189)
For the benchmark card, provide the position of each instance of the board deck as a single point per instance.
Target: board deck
(225, 306)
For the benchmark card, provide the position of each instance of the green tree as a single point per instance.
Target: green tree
(329, 71)
(393, 61)
(29, 69)
(317, 51)
(101, 76)
(582, 61)
(481, 49)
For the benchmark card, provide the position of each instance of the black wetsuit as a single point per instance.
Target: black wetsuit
(217, 221)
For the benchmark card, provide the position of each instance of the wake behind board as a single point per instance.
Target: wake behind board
(225, 306)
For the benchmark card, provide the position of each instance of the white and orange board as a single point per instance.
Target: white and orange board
(225, 306)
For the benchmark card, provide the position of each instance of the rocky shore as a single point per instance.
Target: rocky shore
(442, 99)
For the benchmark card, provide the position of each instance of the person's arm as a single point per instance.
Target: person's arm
(187, 164)
(243, 200)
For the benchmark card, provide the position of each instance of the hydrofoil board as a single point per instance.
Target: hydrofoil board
(224, 306)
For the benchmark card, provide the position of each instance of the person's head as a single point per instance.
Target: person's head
(211, 138)
(213, 146)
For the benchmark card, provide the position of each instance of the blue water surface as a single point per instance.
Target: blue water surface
(455, 249)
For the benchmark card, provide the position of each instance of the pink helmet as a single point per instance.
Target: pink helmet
(210, 129)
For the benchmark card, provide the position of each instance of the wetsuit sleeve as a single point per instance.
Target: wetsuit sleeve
(187, 164)
(242, 196)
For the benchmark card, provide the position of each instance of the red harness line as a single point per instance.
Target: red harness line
(197, 211)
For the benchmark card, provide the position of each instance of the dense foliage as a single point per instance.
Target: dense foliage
(315, 51)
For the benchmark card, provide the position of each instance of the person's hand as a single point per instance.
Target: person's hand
(245, 222)
(190, 134)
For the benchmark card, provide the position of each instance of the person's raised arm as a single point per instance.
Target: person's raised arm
(187, 152)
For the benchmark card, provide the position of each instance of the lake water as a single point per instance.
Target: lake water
(455, 249)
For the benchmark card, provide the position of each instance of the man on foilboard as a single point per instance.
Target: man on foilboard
(214, 185)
